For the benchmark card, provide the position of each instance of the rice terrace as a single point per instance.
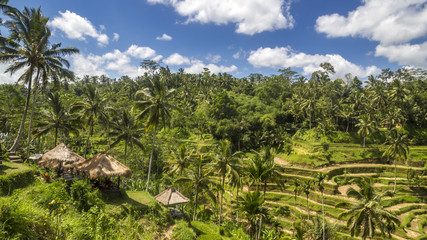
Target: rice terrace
(185, 120)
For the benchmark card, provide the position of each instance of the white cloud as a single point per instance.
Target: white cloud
(240, 54)
(6, 77)
(198, 66)
(213, 58)
(283, 57)
(250, 16)
(141, 52)
(176, 59)
(116, 37)
(164, 37)
(77, 27)
(389, 22)
(405, 54)
(115, 63)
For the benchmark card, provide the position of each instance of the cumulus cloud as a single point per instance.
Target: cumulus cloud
(116, 37)
(405, 54)
(6, 77)
(114, 63)
(213, 58)
(164, 37)
(389, 22)
(77, 27)
(141, 52)
(198, 66)
(250, 16)
(176, 59)
(283, 57)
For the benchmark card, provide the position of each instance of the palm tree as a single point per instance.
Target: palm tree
(180, 159)
(28, 48)
(306, 187)
(199, 178)
(227, 163)
(296, 184)
(368, 214)
(251, 206)
(126, 129)
(262, 169)
(319, 181)
(366, 126)
(57, 119)
(156, 108)
(92, 109)
(398, 150)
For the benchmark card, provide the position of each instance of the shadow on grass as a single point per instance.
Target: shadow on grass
(121, 203)
(4, 168)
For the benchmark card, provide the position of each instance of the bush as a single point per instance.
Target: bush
(183, 231)
(46, 193)
(83, 196)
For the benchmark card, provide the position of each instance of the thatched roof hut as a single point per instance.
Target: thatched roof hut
(171, 197)
(60, 154)
(102, 166)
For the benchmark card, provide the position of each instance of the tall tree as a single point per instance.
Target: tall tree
(199, 176)
(156, 108)
(367, 214)
(398, 150)
(296, 184)
(126, 129)
(56, 119)
(29, 49)
(319, 180)
(226, 163)
(251, 206)
(92, 109)
(366, 126)
(306, 187)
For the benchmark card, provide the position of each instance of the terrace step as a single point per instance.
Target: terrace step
(15, 158)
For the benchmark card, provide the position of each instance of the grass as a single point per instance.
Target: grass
(11, 167)
(129, 201)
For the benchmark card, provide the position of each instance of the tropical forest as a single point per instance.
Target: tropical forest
(177, 155)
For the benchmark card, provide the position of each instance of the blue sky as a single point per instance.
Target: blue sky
(239, 37)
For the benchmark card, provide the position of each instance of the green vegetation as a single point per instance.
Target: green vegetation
(260, 157)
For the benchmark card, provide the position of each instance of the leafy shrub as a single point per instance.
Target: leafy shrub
(21, 220)
(45, 193)
(183, 231)
(83, 196)
(94, 224)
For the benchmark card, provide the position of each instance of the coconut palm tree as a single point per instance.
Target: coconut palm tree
(251, 206)
(200, 179)
(92, 109)
(180, 159)
(306, 187)
(126, 129)
(367, 214)
(28, 48)
(319, 180)
(227, 163)
(366, 126)
(296, 184)
(56, 119)
(398, 150)
(156, 108)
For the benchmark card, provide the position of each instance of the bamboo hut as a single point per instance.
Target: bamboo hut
(171, 197)
(102, 166)
(58, 155)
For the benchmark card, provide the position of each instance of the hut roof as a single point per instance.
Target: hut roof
(171, 197)
(103, 165)
(60, 153)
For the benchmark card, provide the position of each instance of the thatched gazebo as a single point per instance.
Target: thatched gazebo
(102, 166)
(171, 197)
(58, 155)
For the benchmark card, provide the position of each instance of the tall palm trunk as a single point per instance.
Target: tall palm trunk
(36, 83)
(260, 219)
(126, 150)
(395, 175)
(237, 202)
(151, 158)
(308, 213)
(24, 116)
(295, 212)
(222, 195)
(323, 220)
(56, 134)
(88, 137)
(195, 204)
